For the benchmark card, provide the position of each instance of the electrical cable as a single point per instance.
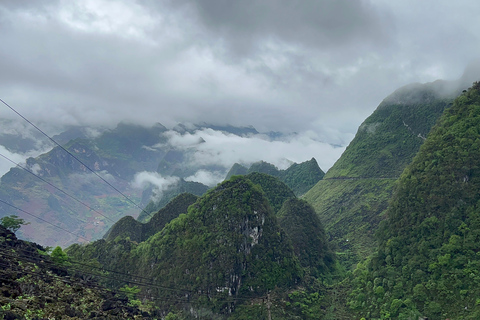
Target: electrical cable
(46, 264)
(41, 219)
(73, 156)
(52, 185)
(149, 284)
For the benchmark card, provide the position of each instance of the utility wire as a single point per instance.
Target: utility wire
(46, 263)
(50, 184)
(41, 219)
(129, 278)
(71, 154)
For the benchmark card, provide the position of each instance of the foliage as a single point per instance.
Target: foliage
(236, 170)
(352, 197)
(59, 257)
(310, 244)
(298, 177)
(276, 191)
(34, 287)
(138, 232)
(13, 222)
(427, 262)
(194, 188)
(227, 245)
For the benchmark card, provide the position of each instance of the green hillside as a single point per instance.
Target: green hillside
(195, 188)
(228, 248)
(352, 197)
(299, 177)
(427, 263)
(275, 190)
(138, 232)
(310, 244)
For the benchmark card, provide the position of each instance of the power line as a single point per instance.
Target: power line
(150, 284)
(72, 155)
(41, 219)
(50, 184)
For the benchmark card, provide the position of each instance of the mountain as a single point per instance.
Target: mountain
(427, 261)
(195, 188)
(138, 232)
(299, 177)
(352, 197)
(227, 249)
(275, 190)
(236, 170)
(60, 190)
(310, 244)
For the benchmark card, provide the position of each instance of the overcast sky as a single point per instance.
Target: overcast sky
(317, 66)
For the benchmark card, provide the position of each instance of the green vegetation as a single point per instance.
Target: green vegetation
(183, 186)
(236, 170)
(228, 245)
(298, 177)
(35, 286)
(310, 244)
(128, 227)
(352, 197)
(276, 191)
(12, 223)
(427, 261)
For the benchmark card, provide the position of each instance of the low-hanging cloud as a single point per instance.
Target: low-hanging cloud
(159, 183)
(208, 178)
(224, 149)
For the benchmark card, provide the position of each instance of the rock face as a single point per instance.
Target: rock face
(32, 286)
(228, 245)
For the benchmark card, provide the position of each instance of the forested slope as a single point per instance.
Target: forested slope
(353, 195)
(428, 258)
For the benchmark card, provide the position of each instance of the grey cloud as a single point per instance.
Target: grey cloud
(277, 65)
(321, 24)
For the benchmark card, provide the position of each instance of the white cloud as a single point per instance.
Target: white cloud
(6, 165)
(220, 148)
(160, 184)
(207, 177)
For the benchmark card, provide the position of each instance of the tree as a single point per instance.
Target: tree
(59, 256)
(12, 223)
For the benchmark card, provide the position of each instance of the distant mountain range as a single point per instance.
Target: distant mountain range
(139, 162)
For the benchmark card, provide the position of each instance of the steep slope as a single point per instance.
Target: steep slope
(304, 228)
(236, 170)
(116, 155)
(275, 190)
(138, 232)
(195, 188)
(353, 195)
(228, 245)
(34, 286)
(299, 177)
(227, 249)
(427, 262)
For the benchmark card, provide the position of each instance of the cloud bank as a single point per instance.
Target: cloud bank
(313, 67)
